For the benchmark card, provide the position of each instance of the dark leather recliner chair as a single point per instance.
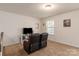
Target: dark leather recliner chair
(43, 40)
(33, 43)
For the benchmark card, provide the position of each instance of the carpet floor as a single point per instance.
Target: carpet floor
(52, 49)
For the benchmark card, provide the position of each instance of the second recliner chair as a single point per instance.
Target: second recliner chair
(43, 40)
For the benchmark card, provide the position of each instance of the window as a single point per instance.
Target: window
(50, 27)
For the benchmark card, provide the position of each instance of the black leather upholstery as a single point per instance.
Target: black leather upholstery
(43, 40)
(35, 42)
(44, 36)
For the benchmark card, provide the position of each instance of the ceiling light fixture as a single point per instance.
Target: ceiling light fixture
(48, 6)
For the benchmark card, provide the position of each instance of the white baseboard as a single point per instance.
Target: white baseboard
(66, 43)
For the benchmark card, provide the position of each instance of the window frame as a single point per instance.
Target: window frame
(52, 26)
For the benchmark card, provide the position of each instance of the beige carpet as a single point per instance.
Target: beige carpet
(52, 49)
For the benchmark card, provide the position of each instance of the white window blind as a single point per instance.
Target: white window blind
(50, 27)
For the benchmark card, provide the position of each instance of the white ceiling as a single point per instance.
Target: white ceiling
(36, 10)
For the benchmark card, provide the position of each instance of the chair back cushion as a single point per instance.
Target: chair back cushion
(35, 38)
(44, 36)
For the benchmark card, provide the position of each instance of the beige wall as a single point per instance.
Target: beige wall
(11, 24)
(67, 35)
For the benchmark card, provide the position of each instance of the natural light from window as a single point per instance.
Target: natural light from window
(50, 27)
